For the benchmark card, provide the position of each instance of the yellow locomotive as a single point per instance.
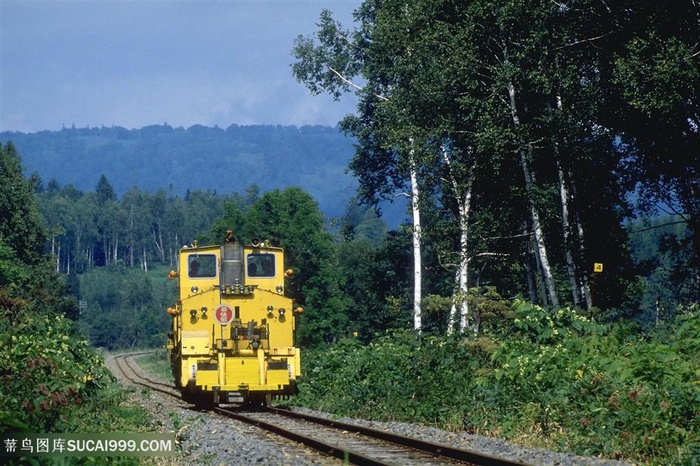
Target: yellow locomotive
(232, 337)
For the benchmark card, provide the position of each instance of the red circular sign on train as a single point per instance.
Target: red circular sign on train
(223, 314)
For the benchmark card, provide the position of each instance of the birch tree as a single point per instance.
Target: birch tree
(332, 65)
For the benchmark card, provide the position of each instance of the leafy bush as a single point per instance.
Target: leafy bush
(549, 378)
(398, 377)
(52, 381)
(46, 370)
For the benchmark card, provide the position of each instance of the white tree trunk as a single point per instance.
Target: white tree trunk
(415, 210)
(580, 290)
(454, 310)
(540, 247)
(566, 232)
(527, 261)
(158, 241)
(463, 269)
(585, 285)
(463, 194)
(417, 263)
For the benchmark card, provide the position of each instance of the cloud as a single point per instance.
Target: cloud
(133, 64)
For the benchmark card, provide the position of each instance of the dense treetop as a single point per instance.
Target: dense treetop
(524, 130)
(196, 158)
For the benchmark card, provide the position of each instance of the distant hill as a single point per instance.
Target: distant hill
(177, 159)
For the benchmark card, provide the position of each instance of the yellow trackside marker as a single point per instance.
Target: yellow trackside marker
(598, 267)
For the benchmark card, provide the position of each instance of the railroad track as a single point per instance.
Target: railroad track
(350, 443)
(359, 445)
(126, 367)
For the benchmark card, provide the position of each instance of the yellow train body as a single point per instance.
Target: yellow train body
(232, 337)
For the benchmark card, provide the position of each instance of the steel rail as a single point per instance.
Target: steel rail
(123, 360)
(334, 450)
(462, 456)
(470, 456)
(326, 448)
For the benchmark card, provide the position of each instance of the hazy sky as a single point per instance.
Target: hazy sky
(137, 63)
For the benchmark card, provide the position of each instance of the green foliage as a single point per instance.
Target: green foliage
(11, 269)
(547, 378)
(46, 370)
(109, 409)
(488, 86)
(52, 380)
(20, 223)
(436, 312)
(222, 161)
(661, 250)
(362, 223)
(492, 85)
(488, 310)
(373, 281)
(125, 308)
(156, 363)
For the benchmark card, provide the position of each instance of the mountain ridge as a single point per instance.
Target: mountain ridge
(179, 159)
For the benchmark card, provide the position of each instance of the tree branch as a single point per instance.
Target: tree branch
(589, 39)
(359, 88)
(658, 226)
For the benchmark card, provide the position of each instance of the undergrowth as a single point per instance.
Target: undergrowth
(53, 381)
(547, 378)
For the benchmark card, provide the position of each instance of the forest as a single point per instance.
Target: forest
(554, 373)
(538, 164)
(203, 158)
(550, 267)
(528, 135)
(355, 272)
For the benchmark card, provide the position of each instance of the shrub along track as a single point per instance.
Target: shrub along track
(260, 442)
(351, 443)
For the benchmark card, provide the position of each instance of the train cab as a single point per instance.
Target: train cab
(232, 338)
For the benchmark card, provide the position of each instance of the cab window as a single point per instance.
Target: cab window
(260, 265)
(201, 266)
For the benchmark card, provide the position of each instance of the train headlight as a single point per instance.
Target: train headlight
(279, 289)
(193, 312)
(204, 310)
(194, 290)
(281, 311)
(270, 310)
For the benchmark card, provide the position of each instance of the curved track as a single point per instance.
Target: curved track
(125, 366)
(359, 445)
(351, 443)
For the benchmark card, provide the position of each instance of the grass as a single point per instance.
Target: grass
(549, 379)
(156, 364)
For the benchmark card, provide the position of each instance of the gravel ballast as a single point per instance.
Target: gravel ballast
(206, 438)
